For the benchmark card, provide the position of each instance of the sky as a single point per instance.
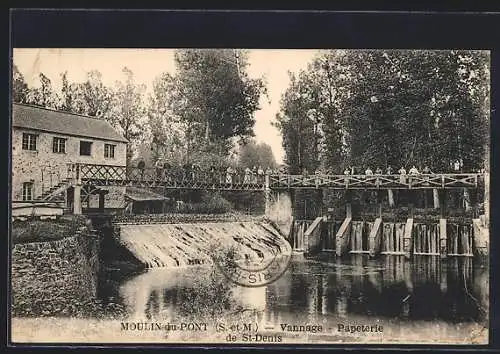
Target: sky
(146, 64)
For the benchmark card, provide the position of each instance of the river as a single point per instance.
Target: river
(425, 299)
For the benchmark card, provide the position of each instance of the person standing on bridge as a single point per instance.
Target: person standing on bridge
(141, 166)
(229, 175)
(389, 170)
(378, 172)
(260, 174)
(212, 174)
(254, 174)
(412, 172)
(247, 176)
(347, 172)
(195, 171)
(426, 172)
(402, 175)
(159, 168)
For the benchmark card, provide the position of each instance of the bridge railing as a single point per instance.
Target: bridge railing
(171, 177)
(439, 181)
(178, 178)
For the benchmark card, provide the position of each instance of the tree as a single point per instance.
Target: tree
(19, 86)
(167, 130)
(381, 107)
(128, 112)
(252, 154)
(44, 95)
(214, 96)
(300, 133)
(90, 97)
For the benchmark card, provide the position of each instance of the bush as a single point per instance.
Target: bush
(211, 294)
(46, 230)
(210, 204)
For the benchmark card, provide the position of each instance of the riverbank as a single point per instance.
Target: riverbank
(55, 266)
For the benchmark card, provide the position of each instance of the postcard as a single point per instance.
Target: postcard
(250, 196)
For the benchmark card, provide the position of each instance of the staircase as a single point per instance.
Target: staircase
(55, 192)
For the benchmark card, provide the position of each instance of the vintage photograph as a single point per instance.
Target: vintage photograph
(250, 196)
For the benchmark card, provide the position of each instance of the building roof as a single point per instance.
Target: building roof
(48, 120)
(141, 194)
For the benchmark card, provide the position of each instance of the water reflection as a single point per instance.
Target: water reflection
(424, 288)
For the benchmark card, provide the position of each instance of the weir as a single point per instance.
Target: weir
(178, 245)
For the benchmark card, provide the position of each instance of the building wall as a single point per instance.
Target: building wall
(115, 199)
(47, 168)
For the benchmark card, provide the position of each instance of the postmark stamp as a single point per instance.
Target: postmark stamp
(246, 271)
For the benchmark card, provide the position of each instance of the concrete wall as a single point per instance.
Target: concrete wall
(47, 168)
(53, 277)
(280, 211)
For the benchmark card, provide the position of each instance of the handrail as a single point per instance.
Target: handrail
(201, 178)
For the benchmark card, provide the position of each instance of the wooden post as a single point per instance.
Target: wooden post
(77, 202)
(348, 211)
(101, 202)
(343, 234)
(443, 246)
(267, 194)
(374, 239)
(390, 196)
(442, 204)
(435, 195)
(407, 238)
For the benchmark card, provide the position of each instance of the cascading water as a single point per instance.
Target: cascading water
(177, 245)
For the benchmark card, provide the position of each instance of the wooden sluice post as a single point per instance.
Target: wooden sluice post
(443, 238)
(312, 237)
(390, 197)
(407, 238)
(342, 237)
(77, 192)
(375, 237)
(435, 197)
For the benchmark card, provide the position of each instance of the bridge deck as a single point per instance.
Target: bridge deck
(107, 175)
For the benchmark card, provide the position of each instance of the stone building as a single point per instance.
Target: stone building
(46, 142)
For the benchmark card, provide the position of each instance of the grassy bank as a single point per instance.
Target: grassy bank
(47, 230)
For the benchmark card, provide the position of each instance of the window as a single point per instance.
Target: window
(85, 148)
(109, 151)
(28, 191)
(29, 141)
(59, 145)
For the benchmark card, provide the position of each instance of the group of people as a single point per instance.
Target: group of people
(389, 171)
(254, 175)
(193, 172)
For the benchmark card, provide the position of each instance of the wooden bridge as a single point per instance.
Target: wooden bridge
(108, 175)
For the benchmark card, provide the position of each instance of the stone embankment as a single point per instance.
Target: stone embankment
(56, 276)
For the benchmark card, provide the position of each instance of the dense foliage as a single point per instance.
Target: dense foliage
(374, 108)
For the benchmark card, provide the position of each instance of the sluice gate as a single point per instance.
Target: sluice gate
(383, 237)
